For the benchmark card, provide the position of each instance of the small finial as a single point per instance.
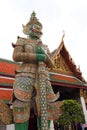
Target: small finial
(33, 14)
(63, 36)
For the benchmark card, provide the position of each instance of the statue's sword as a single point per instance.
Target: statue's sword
(41, 86)
(42, 95)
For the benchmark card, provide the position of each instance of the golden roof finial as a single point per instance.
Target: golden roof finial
(62, 40)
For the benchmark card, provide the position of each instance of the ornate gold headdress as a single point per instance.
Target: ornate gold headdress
(33, 20)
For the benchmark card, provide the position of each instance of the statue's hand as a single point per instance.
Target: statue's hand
(39, 50)
(40, 53)
(41, 57)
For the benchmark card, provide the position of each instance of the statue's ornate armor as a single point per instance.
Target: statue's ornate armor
(25, 86)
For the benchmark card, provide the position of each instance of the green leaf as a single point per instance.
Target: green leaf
(72, 112)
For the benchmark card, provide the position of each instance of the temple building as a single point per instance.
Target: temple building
(65, 78)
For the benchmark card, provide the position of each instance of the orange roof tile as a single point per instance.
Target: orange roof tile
(65, 79)
(8, 67)
(5, 94)
(6, 80)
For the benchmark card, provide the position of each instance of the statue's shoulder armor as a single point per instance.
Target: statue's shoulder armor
(21, 42)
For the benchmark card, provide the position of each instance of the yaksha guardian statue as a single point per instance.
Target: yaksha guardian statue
(32, 87)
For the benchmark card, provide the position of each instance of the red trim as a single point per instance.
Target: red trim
(6, 80)
(5, 94)
(8, 68)
(61, 77)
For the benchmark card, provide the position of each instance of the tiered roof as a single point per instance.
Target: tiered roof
(65, 70)
(8, 67)
(7, 73)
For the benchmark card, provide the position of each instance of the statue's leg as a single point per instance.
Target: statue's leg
(49, 124)
(21, 114)
(21, 126)
(23, 87)
(39, 123)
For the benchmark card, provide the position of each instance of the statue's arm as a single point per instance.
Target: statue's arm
(20, 56)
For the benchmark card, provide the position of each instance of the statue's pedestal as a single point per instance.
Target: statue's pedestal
(10, 127)
(52, 125)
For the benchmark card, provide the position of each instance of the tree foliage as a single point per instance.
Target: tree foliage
(72, 113)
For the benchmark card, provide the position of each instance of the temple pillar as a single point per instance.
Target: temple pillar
(51, 125)
(83, 105)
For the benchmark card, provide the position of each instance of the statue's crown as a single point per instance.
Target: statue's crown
(33, 20)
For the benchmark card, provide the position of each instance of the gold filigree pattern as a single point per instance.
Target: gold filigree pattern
(5, 113)
(61, 65)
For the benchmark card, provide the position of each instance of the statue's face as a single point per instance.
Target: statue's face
(35, 31)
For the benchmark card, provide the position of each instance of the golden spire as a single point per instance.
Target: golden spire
(62, 40)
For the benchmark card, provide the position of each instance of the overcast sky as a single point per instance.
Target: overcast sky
(56, 16)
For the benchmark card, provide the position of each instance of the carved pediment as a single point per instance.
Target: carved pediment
(61, 65)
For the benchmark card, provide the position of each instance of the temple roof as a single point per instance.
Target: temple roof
(65, 80)
(6, 94)
(64, 63)
(8, 67)
(7, 73)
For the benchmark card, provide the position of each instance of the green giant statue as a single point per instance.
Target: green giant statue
(32, 87)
